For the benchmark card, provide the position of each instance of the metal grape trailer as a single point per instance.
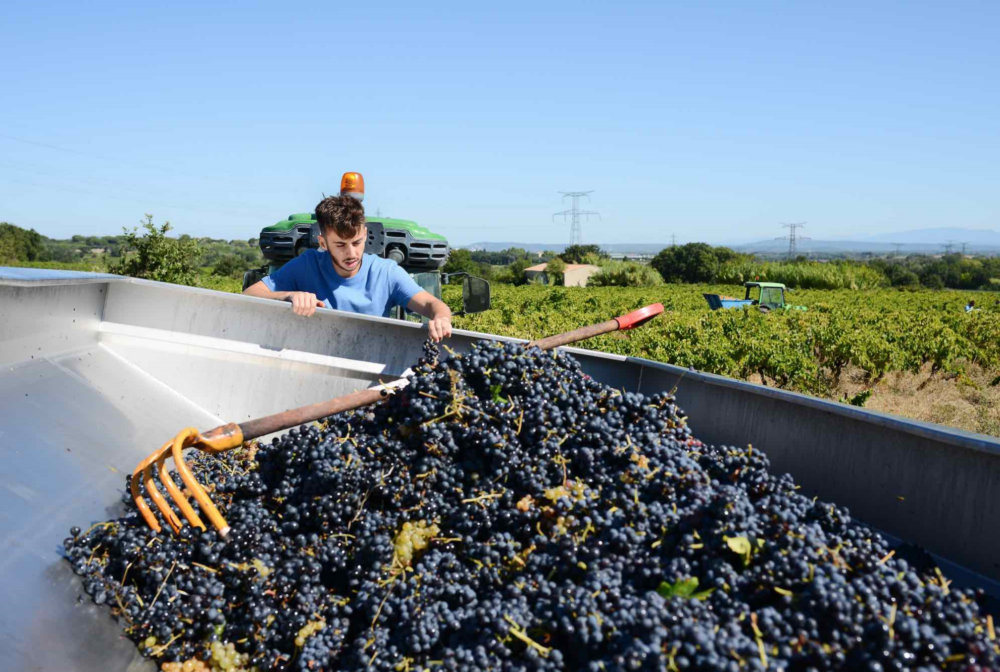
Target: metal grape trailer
(98, 370)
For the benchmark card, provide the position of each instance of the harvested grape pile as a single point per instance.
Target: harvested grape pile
(506, 512)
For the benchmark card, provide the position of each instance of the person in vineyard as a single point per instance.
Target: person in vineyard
(340, 275)
(971, 306)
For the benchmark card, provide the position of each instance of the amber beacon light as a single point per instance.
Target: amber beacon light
(352, 184)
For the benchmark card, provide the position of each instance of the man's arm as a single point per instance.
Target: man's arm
(436, 311)
(303, 303)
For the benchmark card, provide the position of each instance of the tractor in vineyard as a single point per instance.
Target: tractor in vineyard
(766, 296)
(419, 251)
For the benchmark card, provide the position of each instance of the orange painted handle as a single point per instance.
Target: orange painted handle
(639, 317)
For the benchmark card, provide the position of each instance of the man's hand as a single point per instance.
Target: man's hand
(304, 303)
(436, 311)
(439, 327)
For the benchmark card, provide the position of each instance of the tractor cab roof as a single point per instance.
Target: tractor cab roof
(764, 284)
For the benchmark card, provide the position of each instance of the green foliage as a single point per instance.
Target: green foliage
(214, 250)
(625, 274)
(952, 270)
(219, 283)
(8, 251)
(556, 270)
(514, 273)
(684, 589)
(94, 265)
(582, 254)
(803, 275)
(507, 257)
(860, 398)
(17, 244)
(743, 547)
(700, 262)
(155, 256)
(231, 265)
(461, 261)
(877, 331)
(694, 262)
(497, 397)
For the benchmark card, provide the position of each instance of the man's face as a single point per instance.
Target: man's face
(345, 252)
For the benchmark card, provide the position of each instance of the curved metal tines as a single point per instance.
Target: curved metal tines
(187, 438)
(144, 474)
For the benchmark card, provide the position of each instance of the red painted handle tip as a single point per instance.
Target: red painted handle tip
(639, 317)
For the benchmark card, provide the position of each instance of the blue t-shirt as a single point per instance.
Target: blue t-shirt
(378, 286)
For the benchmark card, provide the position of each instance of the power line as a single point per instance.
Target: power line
(791, 237)
(574, 213)
(948, 244)
(964, 244)
(673, 240)
(897, 246)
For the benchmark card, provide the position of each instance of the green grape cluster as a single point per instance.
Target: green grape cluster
(411, 539)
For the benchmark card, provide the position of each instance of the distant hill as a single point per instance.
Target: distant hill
(637, 248)
(919, 241)
(835, 247)
(974, 237)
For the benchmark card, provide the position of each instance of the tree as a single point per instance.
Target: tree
(556, 270)
(694, 262)
(230, 265)
(514, 273)
(932, 281)
(155, 256)
(460, 261)
(22, 244)
(8, 255)
(582, 254)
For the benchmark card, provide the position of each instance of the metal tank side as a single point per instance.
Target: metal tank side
(97, 371)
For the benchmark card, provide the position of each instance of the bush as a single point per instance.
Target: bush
(805, 275)
(229, 266)
(625, 274)
(155, 256)
(694, 262)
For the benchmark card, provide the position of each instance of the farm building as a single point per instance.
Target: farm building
(576, 275)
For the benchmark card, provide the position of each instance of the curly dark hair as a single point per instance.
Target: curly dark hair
(344, 215)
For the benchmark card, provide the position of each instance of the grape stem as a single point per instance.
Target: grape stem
(160, 589)
(519, 632)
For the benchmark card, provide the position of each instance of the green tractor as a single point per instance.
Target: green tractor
(769, 296)
(420, 252)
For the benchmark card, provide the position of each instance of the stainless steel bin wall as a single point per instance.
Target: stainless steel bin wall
(98, 371)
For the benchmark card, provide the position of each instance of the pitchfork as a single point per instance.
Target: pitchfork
(232, 435)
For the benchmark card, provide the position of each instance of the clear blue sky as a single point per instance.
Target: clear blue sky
(711, 120)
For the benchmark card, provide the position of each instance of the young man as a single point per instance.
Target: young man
(340, 275)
